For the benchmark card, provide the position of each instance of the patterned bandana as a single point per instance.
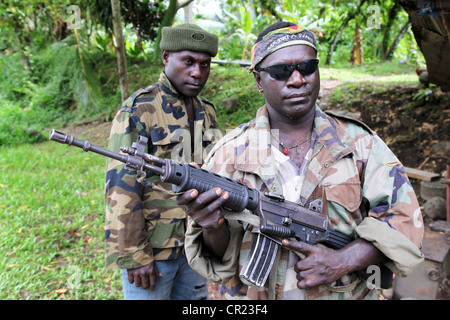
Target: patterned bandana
(281, 38)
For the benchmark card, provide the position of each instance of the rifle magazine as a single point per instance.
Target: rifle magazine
(260, 260)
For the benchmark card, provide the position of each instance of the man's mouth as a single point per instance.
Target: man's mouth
(193, 85)
(297, 97)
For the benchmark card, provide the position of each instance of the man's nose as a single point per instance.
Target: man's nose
(196, 71)
(296, 79)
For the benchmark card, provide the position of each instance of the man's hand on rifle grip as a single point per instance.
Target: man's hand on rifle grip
(322, 265)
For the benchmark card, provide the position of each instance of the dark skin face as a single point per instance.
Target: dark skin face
(291, 102)
(188, 71)
(293, 99)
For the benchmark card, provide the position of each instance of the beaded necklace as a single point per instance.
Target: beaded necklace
(286, 149)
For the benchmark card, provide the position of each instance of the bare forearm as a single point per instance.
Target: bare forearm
(324, 265)
(359, 255)
(216, 240)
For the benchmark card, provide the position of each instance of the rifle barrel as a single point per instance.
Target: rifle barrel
(64, 138)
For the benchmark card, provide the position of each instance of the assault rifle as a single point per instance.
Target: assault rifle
(278, 217)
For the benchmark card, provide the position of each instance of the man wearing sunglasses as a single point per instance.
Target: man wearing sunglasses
(295, 149)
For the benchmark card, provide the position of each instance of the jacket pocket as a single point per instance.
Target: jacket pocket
(167, 142)
(164, 135)
(346, 194)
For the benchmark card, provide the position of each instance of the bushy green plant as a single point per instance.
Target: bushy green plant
(15, 127)
(61, 87)
(232, 81)
(69, 78)
(13, 77)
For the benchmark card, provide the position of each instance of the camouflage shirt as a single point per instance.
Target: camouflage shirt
(143, 225)
(364, 187)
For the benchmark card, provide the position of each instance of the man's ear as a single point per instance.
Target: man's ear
(257, 77)
(165, 57)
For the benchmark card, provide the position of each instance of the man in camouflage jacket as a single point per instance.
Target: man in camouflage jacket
(363, 186)
(145, 228)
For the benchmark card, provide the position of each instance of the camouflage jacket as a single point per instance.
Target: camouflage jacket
(143, 225)
(365, 190)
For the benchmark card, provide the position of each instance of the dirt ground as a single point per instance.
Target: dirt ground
(416, 127)
(95, 131)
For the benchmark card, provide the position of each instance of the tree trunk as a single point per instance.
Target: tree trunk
(120, 49)
(357, 56)
(189, 13)
(167, 21)
(391, 17)
(335, 40)
(338, 34)
(396, 41)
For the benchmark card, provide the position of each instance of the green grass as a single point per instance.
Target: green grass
(51, 224)
(380, 72)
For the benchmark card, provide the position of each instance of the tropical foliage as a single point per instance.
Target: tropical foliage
(52, 52)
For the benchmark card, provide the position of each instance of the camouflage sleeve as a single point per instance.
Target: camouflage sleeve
(394, 223)
(127, 243)
(203, 263)
(220, 160)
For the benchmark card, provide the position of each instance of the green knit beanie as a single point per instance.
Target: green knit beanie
(189, 36)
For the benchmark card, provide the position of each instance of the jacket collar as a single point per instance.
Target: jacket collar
(253, 148)
(167, 87)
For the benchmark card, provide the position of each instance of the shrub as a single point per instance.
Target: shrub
(15, 125)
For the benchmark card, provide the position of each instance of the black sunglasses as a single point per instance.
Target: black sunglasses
(284, 71)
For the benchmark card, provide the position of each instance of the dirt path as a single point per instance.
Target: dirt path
(327, 86)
